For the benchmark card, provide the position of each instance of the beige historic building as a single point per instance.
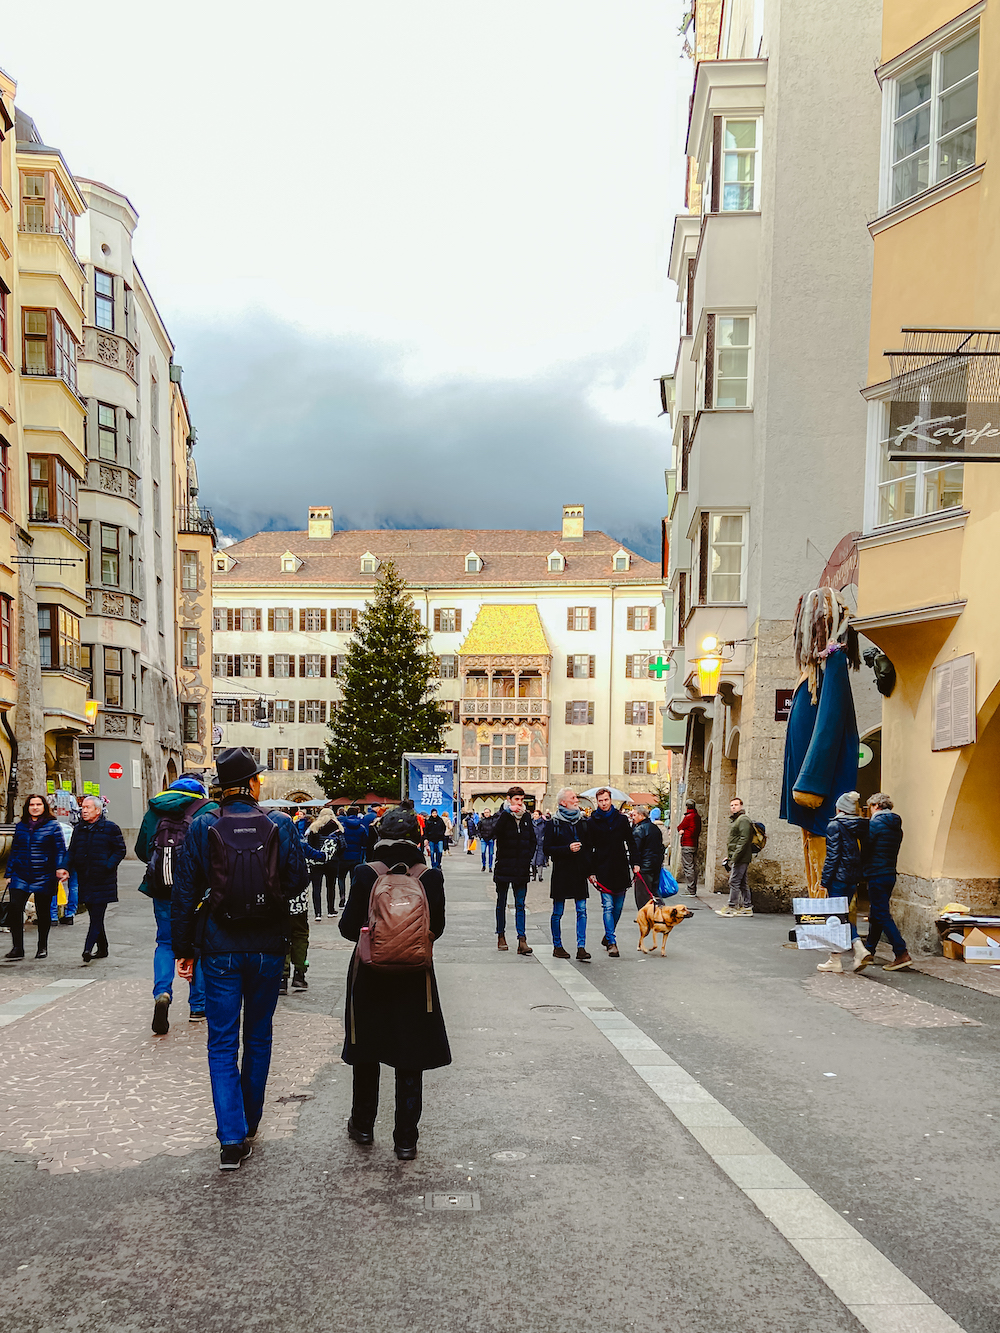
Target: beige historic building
(10, 441)
(541, 641)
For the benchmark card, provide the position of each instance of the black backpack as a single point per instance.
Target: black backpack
(171, 830)
(243, 865)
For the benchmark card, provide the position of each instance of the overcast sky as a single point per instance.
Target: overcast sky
(412, 252)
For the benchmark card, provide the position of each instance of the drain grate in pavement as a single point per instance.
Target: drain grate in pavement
(874, 1002)
(452, 1203)
(510, 1156)
(550, 1009)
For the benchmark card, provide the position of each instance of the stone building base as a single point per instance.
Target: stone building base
(917, 902)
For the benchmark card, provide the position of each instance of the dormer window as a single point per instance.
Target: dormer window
(473, 564)
(622, 561)
(369, 563)
(290, 563)
(557, 563)
(223, 563)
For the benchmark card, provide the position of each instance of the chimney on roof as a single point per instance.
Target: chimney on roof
(572, 527)
(320, 522)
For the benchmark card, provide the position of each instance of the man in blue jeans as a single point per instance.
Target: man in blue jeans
(614, 862)
(885, 836)
(434, 831)
(242, 951)
(515, 839)
(179, 803)
(487, 833)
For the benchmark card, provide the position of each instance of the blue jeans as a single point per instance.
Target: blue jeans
(558, 907)
(436, 851)
(235, 983)
(487, 847)
(612, 904)
(163, 961)
(850, 892)
(880, 920)
(72, 899)
(520, 893)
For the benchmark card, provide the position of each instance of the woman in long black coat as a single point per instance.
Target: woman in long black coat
(564, 845)
(388, 1018)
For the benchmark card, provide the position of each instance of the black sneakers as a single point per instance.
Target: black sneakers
(14, 955)
(299, 980)
(233, 1155)
(161, 1024)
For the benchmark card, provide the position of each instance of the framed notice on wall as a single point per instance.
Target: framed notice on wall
(955, 703)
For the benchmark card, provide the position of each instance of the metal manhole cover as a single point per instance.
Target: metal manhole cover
(550, 1009)
(509, 1156)
(498, 1052)
(452, 1203)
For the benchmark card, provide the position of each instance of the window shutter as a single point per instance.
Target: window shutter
(716, 204)
(569, 713)
(593, 617)
(569, 617)
(270, 617)
(628, 715)
(590, 713)
(270, 759)
(649, 755)
(709, 361)
(302, 665)
(231, 666)
(630, 623)
(302, 761)
(590, 761)
(567, 761)
(682, 589)
(703, 560)
(334, 671)
(569, 665)
(458, 620)
(322, 620)
(291, 664)
(628, 666)
(437, 620)
(354, 619)
(689, 324)
(322, 711)
(651, 712)
(626, 762)
(258, 664)
(652, 617)
(302, 619)
(593, 665)
(270, 664)
(302, 710)
(322, 665)
(685, 450)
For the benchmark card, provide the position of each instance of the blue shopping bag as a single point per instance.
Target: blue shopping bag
(668, 885)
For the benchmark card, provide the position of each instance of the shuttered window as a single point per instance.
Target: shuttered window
(447, 620)
(280, 619)
(641, 618)
(580, 712)
(581, 617)
(281, 665)
(578, 761)
(639, 714)
(312, 665)
(580, 666)
(636, 762)
(344, 619)
(312, 618)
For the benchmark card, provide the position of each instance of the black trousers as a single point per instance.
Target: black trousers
(15, 919)
(409, 1102)
(96, 938)
(317, 873)
(344, 869)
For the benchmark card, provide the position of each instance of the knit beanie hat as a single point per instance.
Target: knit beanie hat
(848, 803)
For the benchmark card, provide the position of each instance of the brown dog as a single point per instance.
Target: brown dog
(661, 921)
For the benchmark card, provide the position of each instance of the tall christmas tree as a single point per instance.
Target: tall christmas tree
(388, 707)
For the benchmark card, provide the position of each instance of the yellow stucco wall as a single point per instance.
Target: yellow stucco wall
(940, 268)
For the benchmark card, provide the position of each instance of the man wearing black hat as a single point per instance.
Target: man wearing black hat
(230, 906)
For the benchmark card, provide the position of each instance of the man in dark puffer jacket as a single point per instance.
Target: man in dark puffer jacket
(515, 838)
(885, 837)
(846, 841)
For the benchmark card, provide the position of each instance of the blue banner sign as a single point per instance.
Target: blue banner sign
(430, 782)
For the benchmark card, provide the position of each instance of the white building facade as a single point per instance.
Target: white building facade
(542, 641)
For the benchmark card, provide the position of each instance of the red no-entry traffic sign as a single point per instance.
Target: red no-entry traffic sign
(115, 771)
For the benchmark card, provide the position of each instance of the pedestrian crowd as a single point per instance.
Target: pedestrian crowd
(232, 883)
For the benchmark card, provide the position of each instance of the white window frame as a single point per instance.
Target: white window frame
(951, 36)
(743, 515)
(878, 431)
(758, 131)
(752, 335)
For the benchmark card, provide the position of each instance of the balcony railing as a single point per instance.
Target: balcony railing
(194, 519)
(117, 605)
(489, 708)
(53, 520)
(109, 349)
(47, 373)
(508, 773)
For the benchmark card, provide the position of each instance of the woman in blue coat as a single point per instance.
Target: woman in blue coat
(36, 863)
(95, 852)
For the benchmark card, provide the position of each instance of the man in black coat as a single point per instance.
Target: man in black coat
(434, 833)
(96, 850)
(392, 1018)
(649, 846)
(614, 860)
(515, 838)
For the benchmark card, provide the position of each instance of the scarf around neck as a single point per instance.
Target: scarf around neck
(567, 814)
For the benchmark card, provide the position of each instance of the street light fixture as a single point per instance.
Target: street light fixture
(709, 667)
(90, 709)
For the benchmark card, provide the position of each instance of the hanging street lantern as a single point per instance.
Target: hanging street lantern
(709, 667)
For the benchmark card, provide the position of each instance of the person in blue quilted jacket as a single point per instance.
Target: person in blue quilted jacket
(36, 863)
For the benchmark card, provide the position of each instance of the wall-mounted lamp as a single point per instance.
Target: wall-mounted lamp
(90, 709)
(709, 666)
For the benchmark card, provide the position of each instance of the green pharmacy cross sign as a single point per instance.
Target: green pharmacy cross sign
(658, 667)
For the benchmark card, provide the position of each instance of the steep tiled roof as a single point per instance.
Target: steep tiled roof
(431, 556)
(506, 629)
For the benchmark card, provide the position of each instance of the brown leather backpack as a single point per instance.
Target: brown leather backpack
(398, 935)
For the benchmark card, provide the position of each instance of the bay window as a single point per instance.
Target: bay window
(722, 558)
(58, 638)
(104, 300)
(740, 171)
(54, 491)
(732, 361)
(49, 347)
